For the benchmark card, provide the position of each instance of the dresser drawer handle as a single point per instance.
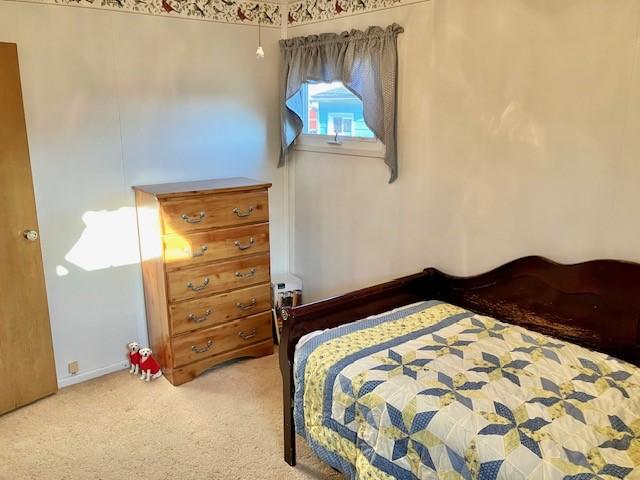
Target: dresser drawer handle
(202, 349)
(247, 336)
(193, 318)
(196, 219)
(197, 288)
(247, 306)
(248, 274)
(241, 214)
(202, 251)
(246, 245)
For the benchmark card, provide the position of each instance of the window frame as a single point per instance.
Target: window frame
(355, 146)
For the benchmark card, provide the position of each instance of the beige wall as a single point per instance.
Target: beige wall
(518, 134)
(116, 99)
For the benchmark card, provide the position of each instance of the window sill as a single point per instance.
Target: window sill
(359, 147)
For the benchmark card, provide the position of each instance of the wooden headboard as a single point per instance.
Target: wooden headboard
(595, 304)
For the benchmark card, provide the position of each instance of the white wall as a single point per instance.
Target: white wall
(113, 100)
(517, 135)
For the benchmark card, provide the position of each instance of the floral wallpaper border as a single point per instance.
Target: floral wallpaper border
(307, 11)
(248, 12)
(227, 11)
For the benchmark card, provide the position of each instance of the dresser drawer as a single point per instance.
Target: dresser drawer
(214, 211)
(197, 248)
(212, 341)
(208, 279)
(209, 311)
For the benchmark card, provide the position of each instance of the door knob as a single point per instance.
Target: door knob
(31, 235)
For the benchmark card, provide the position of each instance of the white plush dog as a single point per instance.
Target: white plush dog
(134, 357)
(149, 366)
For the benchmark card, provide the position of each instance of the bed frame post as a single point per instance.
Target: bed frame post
(286, 369)
(289, 425)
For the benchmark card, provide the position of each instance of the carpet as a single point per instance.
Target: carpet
(226, 424)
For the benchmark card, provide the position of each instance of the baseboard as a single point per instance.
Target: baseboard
(98, 372)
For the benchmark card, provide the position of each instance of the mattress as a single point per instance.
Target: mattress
(432, 390)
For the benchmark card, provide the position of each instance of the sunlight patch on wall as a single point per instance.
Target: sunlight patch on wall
(151, 233)
(108, 240)
(514, 124)
(61, 271)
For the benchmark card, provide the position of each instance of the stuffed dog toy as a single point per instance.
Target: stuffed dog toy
(149, 366)
(134, 357)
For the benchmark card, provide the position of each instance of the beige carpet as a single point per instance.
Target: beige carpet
(225, 424)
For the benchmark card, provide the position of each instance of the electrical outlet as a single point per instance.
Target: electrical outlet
(74, 368)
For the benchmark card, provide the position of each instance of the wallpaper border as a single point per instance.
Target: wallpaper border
(302, 12)
(243, 12)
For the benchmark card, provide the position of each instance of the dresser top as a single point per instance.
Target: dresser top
(217, 185)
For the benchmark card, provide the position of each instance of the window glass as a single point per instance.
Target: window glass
(330, 108)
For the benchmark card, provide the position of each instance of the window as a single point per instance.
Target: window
(330, 109)
(369, 67)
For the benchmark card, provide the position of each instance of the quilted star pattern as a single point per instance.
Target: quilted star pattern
(603, 376)
(516, 428)
(562, 399)
(456, 389)
(397, 364)
(411, 439)
(623, 437)
(353, 399)
(436, 391)
(501, 367)
(590, 466)
(446, 346)
(539, 347)
(486, 328)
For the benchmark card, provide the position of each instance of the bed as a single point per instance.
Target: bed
(526, 371)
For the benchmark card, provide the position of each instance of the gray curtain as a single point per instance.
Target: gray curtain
(365, 62)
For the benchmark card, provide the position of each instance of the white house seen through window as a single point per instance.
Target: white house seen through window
(330, 109)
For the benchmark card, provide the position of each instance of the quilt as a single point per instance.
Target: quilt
(436, 391)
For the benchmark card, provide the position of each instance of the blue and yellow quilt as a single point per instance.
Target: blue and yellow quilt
(436, 391)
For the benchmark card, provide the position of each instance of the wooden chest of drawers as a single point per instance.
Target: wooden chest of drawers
(205, 264)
